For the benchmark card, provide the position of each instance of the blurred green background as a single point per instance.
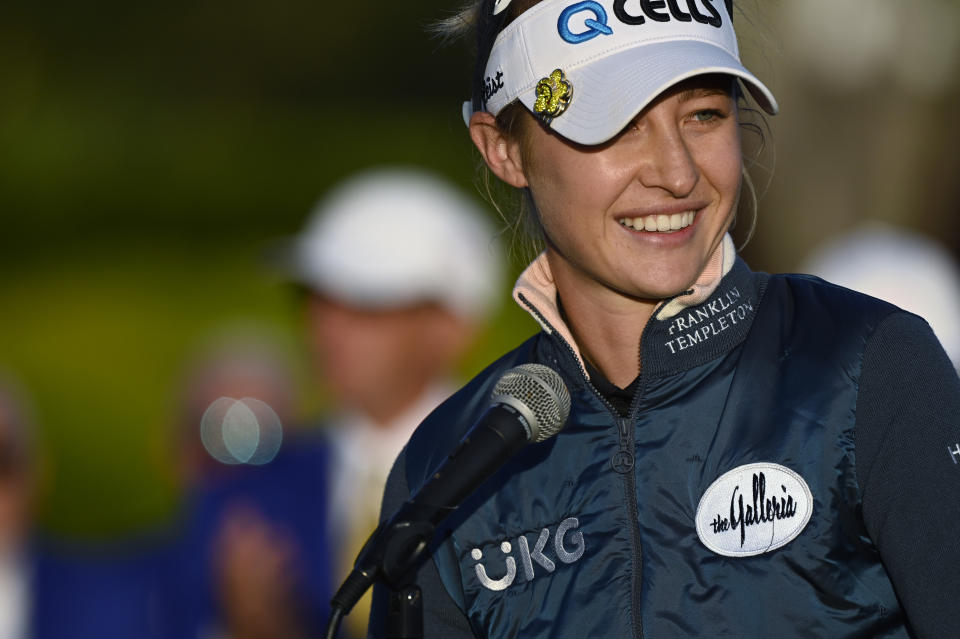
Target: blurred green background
(151, 152)
(148, 154)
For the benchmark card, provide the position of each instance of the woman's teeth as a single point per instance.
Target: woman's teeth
(659, 223)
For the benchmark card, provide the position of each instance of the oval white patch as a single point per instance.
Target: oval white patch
(753, 509)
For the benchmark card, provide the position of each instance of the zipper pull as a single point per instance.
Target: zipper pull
(622, 460)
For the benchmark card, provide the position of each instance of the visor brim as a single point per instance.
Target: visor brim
(609, 92)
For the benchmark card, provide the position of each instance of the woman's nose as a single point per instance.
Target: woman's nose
(666, 161)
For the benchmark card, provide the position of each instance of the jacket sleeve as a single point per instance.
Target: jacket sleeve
(442, 619)
(908, 468)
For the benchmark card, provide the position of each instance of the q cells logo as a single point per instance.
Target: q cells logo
(596, 23)
(595, 26)
(753, 509)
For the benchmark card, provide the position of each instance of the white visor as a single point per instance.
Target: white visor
(613, 56)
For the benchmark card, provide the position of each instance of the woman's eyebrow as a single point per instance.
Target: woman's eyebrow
(700, 92)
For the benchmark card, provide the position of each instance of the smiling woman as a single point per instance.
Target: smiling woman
(633, 220)
(745, 452)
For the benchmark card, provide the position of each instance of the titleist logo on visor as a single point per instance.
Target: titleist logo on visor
(584, 21)
(492, 85)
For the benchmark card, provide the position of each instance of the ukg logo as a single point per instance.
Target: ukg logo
(568, 547)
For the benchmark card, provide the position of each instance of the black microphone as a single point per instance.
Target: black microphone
(529, 404)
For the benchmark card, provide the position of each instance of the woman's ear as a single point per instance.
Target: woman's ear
(502, 154)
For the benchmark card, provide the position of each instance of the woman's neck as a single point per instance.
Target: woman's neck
(607, 326)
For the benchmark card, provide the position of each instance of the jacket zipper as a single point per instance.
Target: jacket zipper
(622, 461)
(626, 461)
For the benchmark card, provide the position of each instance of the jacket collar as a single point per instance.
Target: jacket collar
(721, 303)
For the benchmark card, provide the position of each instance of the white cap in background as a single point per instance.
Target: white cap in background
(899, 266)
(392, 237)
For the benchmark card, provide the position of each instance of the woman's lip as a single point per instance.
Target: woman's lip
(666, 209)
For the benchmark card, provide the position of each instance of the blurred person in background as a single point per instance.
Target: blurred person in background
(16, 510)
(898, 265)
(399, 271)
(250, 557)
(50, 587)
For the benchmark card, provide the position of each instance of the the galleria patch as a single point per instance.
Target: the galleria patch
(753, 509)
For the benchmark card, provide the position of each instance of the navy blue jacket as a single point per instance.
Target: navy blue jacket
(778, 473)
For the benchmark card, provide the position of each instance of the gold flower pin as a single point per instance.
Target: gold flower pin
(553, 96)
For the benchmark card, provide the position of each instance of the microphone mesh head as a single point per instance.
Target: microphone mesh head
(540, 390)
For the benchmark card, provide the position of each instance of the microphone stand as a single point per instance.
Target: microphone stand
(405, 613)
(391, 553)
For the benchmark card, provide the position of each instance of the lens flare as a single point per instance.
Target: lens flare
(244, 431)
(241, 432)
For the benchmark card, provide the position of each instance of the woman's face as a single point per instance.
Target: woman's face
(642, 214)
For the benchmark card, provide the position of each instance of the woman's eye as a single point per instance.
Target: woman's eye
(707, 115)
